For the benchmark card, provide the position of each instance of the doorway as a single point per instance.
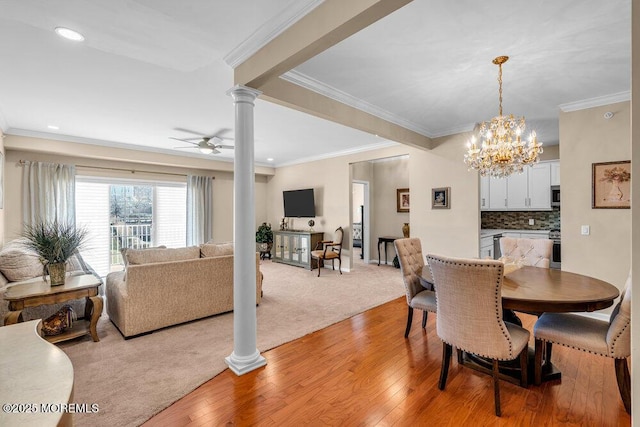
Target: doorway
(360, 224)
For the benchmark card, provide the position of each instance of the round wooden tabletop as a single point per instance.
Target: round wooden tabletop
(540, 290)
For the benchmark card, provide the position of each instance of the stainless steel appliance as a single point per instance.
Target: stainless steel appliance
(554, 262)
(496, 246)
(555, 195)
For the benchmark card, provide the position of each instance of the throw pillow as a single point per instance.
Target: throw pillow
(123, 252)
(18, 263)
(216, 249)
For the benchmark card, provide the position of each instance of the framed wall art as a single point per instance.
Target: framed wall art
(402, 200)
(440, 198)
(611, 185)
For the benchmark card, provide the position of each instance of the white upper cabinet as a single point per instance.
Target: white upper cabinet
(517, 196)
(539, 186)
(484, 193)
(497, 194)
(555, 173)
(530, 190)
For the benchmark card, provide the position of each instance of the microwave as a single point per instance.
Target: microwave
(555, 195)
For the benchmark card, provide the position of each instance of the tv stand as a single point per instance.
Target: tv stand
(294, 247)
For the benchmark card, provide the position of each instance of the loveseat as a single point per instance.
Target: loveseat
(19, 264)
(163, 287)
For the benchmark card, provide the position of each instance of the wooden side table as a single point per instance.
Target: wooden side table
(384, 240)
(36, 292)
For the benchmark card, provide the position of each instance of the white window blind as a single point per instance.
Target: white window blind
(92, 213)
(170, 215)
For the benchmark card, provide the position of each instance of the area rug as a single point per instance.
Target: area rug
(131, 380)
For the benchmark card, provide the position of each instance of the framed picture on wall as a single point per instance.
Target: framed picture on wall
(440, 198)
(402, 200)
(611, 185)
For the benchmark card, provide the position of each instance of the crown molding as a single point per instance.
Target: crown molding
(111, 144)
(317, 86)
(596, 102)
(269, 31)
(334, 154)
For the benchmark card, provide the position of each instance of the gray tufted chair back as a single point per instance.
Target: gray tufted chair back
(534, 252)
(469, 306)
(411, 262)
(619, 333)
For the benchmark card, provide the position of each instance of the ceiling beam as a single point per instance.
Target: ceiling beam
(290, 95)
(328, 24)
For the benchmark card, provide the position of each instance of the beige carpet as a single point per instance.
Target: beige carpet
(134, 379)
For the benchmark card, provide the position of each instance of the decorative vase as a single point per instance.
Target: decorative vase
(405, 230)
(615, 194)
(57, 273)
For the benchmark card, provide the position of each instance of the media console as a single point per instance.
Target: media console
(294, 247)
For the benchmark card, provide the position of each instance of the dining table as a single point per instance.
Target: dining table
(535, 291)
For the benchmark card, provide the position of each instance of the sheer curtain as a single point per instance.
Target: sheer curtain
(199, 209)
(48, 192)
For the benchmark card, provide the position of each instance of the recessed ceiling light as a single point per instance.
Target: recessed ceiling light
(53, 127)
(270, 159)
(69, 34)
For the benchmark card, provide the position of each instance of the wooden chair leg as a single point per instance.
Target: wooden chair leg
(424, 318)
(547, 356)
(496, 387)
(320, 265)
(537, 368)
(460, 356)
(524, 366)
(624, 382)
(444, 367)
(340, 265)
(409, 321)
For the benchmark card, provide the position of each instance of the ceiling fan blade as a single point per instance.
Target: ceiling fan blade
(220, 133)
(183, 140)
(216, 151)
(183, 147)
(225, 146)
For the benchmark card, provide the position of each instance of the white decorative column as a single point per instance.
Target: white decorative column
(245, 356)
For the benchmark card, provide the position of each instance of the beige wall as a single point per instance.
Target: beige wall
(586, 137)
(3, 180)
(550, 152)
(223, 183)
(635, 200)
(454, 231)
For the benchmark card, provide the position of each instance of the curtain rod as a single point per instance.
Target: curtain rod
(23, 162)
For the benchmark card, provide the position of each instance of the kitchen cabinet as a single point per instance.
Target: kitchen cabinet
(484, 193)
(294, 247)
(555, 173)
(486, 247)
(530, 190)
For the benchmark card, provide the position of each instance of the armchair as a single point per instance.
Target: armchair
(329, 249)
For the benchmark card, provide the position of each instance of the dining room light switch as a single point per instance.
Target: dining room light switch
(585, 230)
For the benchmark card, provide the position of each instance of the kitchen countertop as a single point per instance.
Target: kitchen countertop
(486, 232)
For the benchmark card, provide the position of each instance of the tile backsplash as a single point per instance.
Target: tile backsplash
(516, 220)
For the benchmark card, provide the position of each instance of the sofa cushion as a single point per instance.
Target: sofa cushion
(18, 263)
(123, 252)
(208, 250)
(149, 256)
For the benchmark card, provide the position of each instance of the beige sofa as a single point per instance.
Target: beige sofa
(165, 287)
(19, 264)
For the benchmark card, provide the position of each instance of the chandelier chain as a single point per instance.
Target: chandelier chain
(500, 85)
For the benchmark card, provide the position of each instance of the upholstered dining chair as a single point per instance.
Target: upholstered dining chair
(411, 262)
(329, 250)
(534, 252)
(469, 316)
(610, 339)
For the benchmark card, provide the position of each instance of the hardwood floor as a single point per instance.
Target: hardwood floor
(362, 371)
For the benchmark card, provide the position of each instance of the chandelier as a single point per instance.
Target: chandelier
(501, 150)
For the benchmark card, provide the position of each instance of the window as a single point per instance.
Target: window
(128, 214)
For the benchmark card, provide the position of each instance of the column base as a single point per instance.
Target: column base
(242, 365)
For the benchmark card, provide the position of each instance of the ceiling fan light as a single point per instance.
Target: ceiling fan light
(205, 150)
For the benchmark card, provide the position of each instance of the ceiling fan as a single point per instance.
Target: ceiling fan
(206, 144)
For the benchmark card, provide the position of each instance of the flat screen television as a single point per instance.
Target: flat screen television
(299, 203)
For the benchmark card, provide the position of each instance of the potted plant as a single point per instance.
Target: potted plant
(264, 239)
(55, 243)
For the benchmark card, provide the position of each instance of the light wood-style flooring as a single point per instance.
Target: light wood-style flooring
(362, 371)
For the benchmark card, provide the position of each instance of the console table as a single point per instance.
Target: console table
(384, 240)
(294, 247)
(38, 292)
